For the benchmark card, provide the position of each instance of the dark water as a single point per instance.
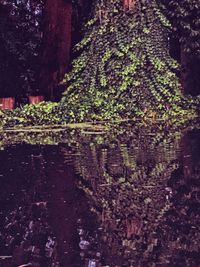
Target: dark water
(131, 199)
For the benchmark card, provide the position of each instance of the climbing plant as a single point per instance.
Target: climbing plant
(124, 67)
(184, 16)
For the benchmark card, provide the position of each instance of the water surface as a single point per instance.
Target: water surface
(127, 199)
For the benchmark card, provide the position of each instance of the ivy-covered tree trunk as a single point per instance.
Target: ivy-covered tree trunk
(124, 67)
(56, 45)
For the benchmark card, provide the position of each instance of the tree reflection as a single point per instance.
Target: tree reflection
(130, 185)
(141, 184)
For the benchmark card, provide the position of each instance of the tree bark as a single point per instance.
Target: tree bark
(56, 46)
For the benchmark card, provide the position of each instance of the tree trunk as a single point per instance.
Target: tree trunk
(56, 46)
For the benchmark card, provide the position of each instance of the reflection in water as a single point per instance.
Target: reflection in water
(39, 208)
(139, 187)
(127, 200)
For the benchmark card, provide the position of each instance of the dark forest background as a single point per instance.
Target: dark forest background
(37, 37)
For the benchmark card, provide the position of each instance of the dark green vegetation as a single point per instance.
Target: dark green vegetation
(184, 16)
(133, 178)
(35, 114)
(123, 68)
(20, 41)
(185, 45)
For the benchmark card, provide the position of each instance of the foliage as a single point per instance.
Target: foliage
(35, 114)
(52, 114)
(184, 16)
(124, 66)
(73, 133)
(123, 70)
(20, 40)
(134, 184)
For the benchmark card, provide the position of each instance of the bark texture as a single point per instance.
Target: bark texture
(56, 46)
